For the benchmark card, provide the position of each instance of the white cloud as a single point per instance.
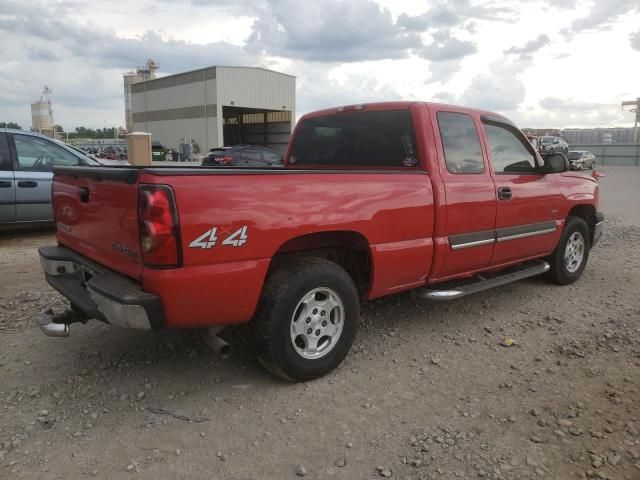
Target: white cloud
(504, 55)
(604, 13)
(498, 90)
(445, 47)
(635, 40)
(329, 31)
(531, 47)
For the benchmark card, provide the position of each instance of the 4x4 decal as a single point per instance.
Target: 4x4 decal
(209, 238)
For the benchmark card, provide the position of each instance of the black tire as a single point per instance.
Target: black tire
(285, 287)
(559, 273)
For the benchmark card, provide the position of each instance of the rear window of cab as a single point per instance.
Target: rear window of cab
(382, 139)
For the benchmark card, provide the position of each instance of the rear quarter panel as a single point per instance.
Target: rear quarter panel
(222, 284)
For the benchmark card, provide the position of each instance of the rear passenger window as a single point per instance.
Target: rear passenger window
(362, 139)
(461, 144)
(39, 155)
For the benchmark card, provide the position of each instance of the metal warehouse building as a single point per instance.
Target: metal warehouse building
(217, 106)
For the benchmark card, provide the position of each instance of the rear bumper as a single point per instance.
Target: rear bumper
(597, 227)
(100, 293)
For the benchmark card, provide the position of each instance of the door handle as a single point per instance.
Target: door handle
(27, 184)
(5, 184)
(504, 193)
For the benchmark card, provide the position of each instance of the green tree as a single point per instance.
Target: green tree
(10, 125)
(101, 133)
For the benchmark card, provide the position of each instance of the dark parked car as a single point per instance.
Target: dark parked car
(242, 156)
(579, 159)
(158, 152)
(550, 144)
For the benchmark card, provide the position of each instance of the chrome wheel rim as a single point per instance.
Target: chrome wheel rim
(316, 323)
(574, 252)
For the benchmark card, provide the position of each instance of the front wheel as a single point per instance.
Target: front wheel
(307, 319)
(570, 256)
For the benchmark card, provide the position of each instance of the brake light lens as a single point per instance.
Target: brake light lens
(226, 160)
(158, 227)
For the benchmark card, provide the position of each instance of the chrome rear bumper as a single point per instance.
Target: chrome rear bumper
(97, 293)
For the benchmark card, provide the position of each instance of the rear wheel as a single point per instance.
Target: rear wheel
(307, 319)
(570, 256)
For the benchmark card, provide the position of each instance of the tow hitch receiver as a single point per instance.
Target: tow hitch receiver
(58, 325)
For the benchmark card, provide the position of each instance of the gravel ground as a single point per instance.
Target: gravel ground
(428, 391)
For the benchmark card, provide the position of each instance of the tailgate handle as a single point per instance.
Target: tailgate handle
(84, 194)
(27, 184)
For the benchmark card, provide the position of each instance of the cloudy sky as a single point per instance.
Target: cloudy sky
(547, 63)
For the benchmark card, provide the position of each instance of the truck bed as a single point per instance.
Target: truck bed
(389, 213)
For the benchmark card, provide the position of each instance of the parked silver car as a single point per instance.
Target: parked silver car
(26, 164)
(580, 159)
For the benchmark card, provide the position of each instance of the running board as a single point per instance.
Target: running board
(479, 283)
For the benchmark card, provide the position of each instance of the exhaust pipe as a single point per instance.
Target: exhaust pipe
(49, 326)
(217, 344)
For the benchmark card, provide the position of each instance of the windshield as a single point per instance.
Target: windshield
(574, 155)
(548, 139)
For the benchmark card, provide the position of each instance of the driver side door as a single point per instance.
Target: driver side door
(35, 158)
(528, 221)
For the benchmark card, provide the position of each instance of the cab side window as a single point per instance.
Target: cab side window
(461, 144)
(509, 154)
(39, 155)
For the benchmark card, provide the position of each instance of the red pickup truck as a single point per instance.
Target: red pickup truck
(374, 199)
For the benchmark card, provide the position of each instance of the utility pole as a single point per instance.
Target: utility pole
(635, 104)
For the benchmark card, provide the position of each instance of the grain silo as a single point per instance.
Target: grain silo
(140, 74)
(42, 114)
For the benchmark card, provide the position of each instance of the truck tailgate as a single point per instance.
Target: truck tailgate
(96, 215)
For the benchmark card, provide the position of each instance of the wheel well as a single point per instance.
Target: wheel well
(587, 213)
(348, 249)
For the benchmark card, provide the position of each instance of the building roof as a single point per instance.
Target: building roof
(210, 67)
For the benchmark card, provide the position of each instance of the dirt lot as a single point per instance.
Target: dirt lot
(427, 392)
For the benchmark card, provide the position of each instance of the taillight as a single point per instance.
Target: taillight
(226, 160)
(158, 226)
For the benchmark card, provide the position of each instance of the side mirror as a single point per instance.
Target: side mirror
(556, 163)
